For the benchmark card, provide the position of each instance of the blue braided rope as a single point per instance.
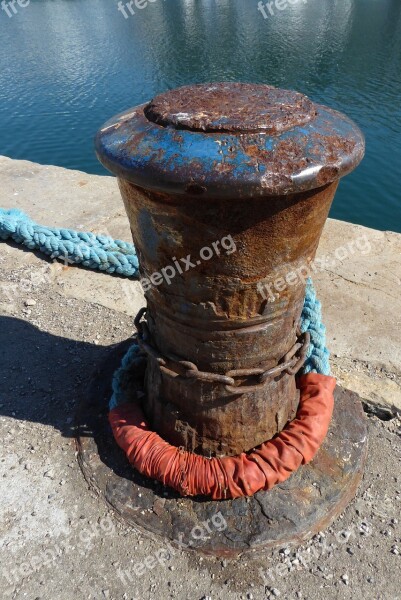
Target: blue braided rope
(317, 358)
(131, 361)
(115, 256)
(92, 251)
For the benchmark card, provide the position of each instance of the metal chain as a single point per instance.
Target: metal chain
(291, 362)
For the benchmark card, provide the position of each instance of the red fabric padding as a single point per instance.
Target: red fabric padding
(230, 477)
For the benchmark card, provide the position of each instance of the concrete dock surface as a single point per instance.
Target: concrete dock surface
(58, 539)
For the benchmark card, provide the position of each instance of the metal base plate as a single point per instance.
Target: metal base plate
(291, 513)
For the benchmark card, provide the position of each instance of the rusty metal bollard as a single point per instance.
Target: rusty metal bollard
(203, 164)
(227, 187)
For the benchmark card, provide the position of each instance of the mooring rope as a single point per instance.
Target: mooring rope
(230, 476)
(189, 473)
(117, 257)
(87, 249)
(317, 357)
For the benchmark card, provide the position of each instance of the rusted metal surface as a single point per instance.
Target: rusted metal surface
(214, 316)
(290, 364)
(290, 513)
(231, 108)
(195, 166)
(210, 139)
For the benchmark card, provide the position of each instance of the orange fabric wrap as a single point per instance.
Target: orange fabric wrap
(230, 477)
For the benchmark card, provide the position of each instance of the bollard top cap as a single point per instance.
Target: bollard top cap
(230, 140)
(231, 108)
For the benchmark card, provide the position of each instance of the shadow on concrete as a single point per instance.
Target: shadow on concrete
(65, 384)
(43, 376)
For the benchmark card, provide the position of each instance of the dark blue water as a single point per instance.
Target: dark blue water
(67, 66)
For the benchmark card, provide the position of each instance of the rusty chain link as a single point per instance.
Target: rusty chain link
(291, 362)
